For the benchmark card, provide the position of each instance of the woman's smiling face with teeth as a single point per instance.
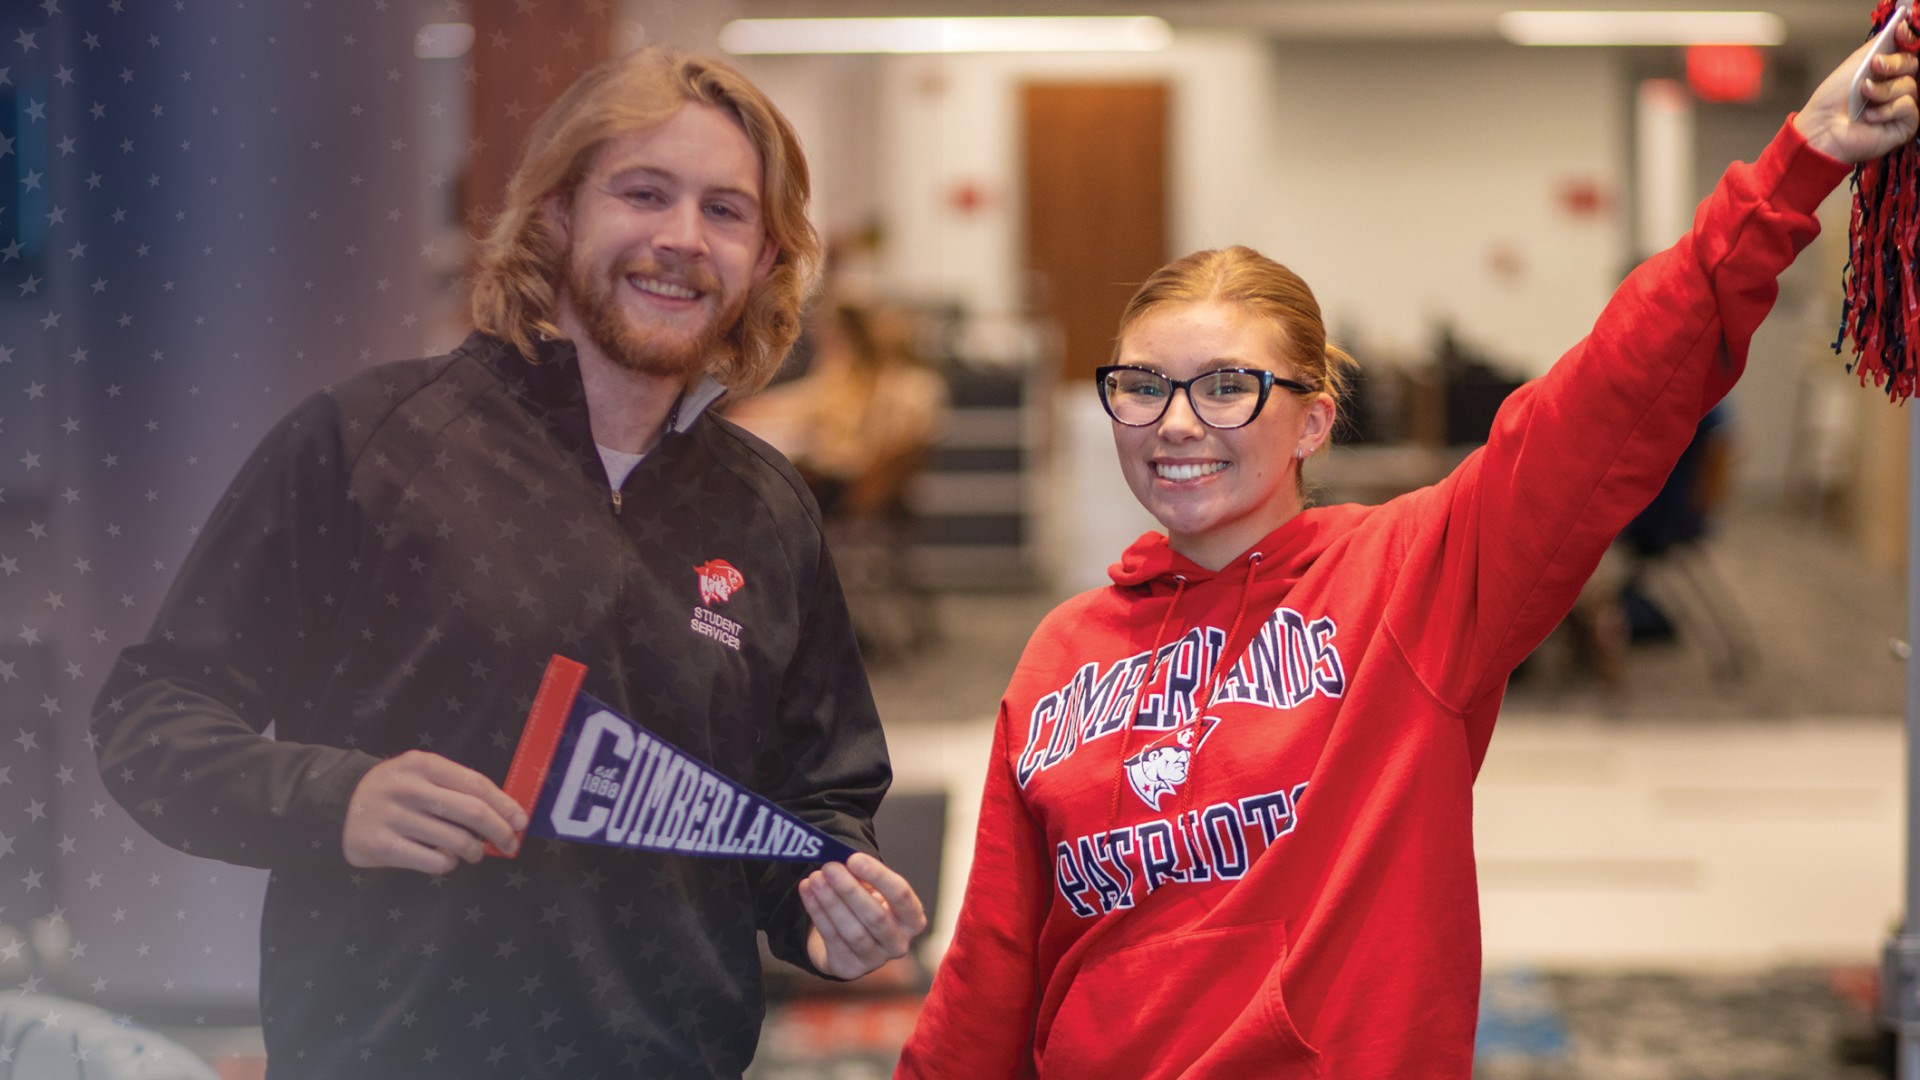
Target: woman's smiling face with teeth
(1216, 492)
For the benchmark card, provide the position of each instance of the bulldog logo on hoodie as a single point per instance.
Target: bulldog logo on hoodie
(1162, 767)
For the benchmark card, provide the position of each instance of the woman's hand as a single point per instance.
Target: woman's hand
(1891, 118)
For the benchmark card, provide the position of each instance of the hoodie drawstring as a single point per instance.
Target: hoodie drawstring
(1197, 722)
(1153, 661)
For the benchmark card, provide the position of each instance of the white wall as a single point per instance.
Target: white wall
(1397, 170)
(830, 100)
(952, 120)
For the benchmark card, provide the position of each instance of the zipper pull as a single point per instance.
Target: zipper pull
(616, 500)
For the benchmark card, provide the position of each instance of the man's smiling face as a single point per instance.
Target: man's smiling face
(664, 240)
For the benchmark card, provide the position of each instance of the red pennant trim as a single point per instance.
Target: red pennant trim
(546, 721)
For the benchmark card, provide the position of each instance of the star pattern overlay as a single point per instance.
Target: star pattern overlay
(208, 212)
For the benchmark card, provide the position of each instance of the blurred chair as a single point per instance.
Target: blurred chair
(50, 1038)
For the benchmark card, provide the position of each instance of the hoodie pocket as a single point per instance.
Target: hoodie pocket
(1199, 1004)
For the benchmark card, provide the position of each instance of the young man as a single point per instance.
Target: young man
(391, 570)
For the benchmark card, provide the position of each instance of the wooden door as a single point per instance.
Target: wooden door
(524, 56)
(1096, 216)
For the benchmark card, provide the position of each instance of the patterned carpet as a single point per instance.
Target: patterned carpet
(1783, 1025)
(1796, 1024)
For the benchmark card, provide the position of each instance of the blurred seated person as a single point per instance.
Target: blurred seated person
(1694, 492)
(858, 425)
(1618, 609)
(1703, 608)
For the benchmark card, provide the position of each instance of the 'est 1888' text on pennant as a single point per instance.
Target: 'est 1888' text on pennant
(585, 773)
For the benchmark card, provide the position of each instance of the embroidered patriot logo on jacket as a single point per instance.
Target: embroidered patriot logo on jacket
(718, 581)
(1162, 767)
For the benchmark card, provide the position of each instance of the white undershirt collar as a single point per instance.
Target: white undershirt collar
(620, 464)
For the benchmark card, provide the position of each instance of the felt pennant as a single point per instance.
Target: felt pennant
(586, 773)
(1881, 313)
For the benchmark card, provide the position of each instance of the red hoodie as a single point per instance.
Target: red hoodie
(1280, 883)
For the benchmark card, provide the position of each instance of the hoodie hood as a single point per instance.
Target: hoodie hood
(1149, 558)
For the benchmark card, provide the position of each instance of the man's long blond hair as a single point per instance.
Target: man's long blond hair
(521, 261)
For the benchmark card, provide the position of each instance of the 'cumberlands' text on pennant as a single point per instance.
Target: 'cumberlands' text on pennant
(584, 772)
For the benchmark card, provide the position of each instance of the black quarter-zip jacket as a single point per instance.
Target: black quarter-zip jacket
(390, 571)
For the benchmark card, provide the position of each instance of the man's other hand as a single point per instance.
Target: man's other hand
(420, 811)
(863, 914)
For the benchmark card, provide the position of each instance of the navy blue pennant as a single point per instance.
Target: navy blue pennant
(588, 774)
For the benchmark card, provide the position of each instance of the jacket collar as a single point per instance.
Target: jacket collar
(552, 379)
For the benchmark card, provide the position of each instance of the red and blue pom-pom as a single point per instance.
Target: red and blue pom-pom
(1882, 308)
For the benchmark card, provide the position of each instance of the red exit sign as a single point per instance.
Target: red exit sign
(1726, 73)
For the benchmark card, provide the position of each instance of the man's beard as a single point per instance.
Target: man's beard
(644, 349)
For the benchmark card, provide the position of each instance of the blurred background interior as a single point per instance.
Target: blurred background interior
(1690, 824)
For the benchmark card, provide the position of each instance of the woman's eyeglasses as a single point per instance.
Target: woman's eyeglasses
(1223, 399)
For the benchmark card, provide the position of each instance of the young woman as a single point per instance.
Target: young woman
(1227, 829)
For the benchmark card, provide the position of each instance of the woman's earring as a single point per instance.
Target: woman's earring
(1300, 452)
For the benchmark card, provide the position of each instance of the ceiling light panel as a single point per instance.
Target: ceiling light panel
(1643, 28)
(959, 35)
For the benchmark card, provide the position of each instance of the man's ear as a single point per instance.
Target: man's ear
(769, 254)
(555, 208)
